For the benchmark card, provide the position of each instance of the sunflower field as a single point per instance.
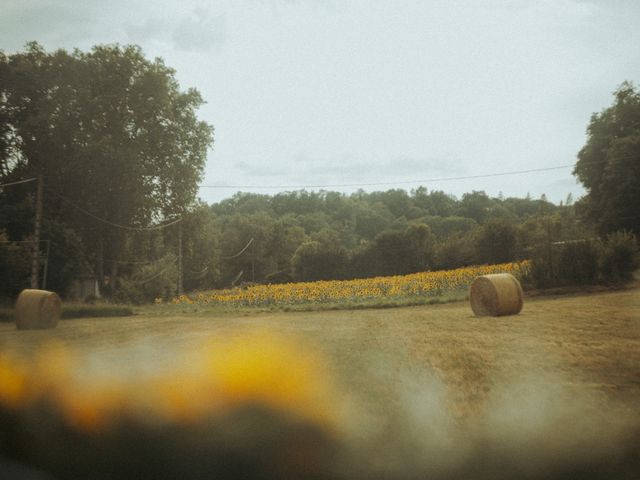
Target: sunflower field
(416, 285)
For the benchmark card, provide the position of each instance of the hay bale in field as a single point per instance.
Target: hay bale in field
(37, 309)
(496, 295)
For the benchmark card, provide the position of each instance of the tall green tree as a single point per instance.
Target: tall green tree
(476, 205)
(496, 242)
(116, 138)
(402, 252)
(609, 164)
(321, 258)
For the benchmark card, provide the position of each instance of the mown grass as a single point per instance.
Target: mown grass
(83, 310)
(558, 381)
(78, 310)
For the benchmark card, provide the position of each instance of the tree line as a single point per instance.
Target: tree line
(300, 236)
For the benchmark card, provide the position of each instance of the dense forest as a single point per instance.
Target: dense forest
(327, 235)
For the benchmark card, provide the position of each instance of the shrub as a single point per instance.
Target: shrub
(455, 251)
(577, 263)
(156, 280)
(319, 261)
(585, 262)
(496, 241)
(540, 275)
(572, 263)
(278, 277)
(15, 267)
(619, 257)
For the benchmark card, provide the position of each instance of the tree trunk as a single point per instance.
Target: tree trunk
(100, 264)
(114, 275)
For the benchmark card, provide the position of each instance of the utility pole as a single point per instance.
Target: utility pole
(36, 235)
(46, 266)
(180, 258)
(253, 262)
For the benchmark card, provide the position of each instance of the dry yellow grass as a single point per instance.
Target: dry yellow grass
(421, 391)
(588, 342)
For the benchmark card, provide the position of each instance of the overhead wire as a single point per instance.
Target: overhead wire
(18, 182)
(113, 224)
(152, 277)
(402, 182)
(409, 182)
(369, 184)
(240, 252)
(91, 257)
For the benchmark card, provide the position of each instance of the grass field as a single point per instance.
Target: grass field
(565, 372)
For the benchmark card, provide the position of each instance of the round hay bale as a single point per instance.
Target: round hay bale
(37, 309)
(495, 295)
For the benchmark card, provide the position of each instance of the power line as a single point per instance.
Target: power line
(240, 252)
(374, 184)
(108, 222)
(30, 242)
(18, 182)
(407, 182)
(91, 257)
(147, 280)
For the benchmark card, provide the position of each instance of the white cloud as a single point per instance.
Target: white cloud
(198, 31)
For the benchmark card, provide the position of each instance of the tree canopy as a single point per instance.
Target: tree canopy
(117, 141)
(609, 164)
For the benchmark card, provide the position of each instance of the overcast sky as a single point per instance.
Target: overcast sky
(326, 92)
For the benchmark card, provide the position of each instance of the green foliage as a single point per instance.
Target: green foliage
(200, 248)
(398, 252)
(436, 203)
(391, 253)
(457, 250)
(156, 280)
(371, 227)
(319, 260)
(113, 135)
(577, 263)
(586, 262)
(397, 201)
(476, 205)
(66, 256)
(15, 267)
(444, 227)
(238, 230)
(368, 234)
(371, 220)
(420, 245)
(496, 241)
(278, 277)
(620, 257)
(609, 164)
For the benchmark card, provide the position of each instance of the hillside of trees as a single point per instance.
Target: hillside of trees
(327, 235)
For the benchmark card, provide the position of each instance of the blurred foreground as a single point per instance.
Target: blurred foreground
(427, 392)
